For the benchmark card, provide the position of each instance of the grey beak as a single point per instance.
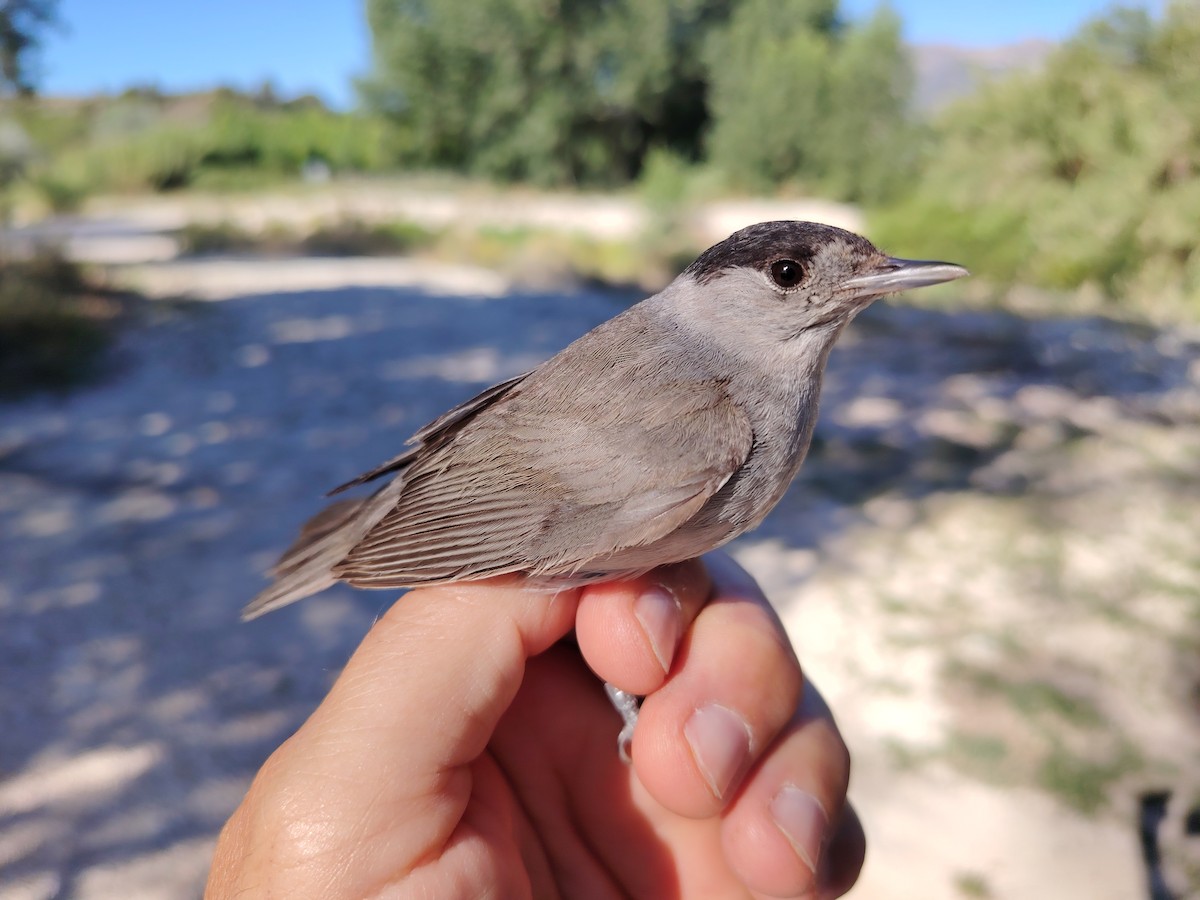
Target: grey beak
(894, 275)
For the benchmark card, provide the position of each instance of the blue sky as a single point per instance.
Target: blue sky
(319, 45)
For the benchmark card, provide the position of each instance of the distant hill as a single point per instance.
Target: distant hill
(945, 72)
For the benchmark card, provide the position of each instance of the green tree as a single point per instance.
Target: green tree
(571, 91)
(22, 23)
(799, 95)
(1082, 173)
(869, 135)
(22, 26)
(552, 91)
(768, 76)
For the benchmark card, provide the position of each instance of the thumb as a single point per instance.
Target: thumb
(378, 772)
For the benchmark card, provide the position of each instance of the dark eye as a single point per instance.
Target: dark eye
(787, 272)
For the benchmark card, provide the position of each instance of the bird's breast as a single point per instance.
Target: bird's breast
(782, 421)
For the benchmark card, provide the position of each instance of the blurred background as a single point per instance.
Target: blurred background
(246, 249)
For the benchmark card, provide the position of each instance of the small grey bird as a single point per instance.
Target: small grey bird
(659, 435)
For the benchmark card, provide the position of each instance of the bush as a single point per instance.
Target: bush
(798, 96)
(503, 90)
(58, 193)
(54, 326)
(222, 140)
(354, 238)
(346, 237)
(208, 238)
(771, 91)
(1082, 175)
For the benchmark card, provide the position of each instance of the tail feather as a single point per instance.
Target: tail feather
(306, 566)
(325, 523)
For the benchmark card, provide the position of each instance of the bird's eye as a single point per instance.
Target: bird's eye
(787, 272)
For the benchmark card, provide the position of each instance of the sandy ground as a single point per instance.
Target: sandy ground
(603, 216)
(137, 516)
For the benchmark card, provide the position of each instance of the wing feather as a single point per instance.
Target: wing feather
(307, 566)
(534, 490)
(596, 462)
(436, 430)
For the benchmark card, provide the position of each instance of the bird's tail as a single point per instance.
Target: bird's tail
(306, 566)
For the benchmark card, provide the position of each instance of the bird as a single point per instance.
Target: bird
(659, 435)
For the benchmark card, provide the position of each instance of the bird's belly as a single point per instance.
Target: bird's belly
(726, 515)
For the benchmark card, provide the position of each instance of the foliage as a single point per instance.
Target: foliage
(567, 92)
(350, 237)
(796, 94)
(146, 141)
(344, 237)
(22, 23)
(543, 257)
(54, 327)
(215, 238)
(1083, 174)
(752, 93)
(585, 92)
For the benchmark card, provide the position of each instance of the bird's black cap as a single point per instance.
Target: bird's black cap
(760, 245)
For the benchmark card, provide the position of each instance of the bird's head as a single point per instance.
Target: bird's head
(785, 279)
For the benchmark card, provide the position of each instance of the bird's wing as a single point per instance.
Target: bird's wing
(434, 432)
(307, 565)
(548, 480)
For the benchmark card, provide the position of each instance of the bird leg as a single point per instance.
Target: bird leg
(627, 705)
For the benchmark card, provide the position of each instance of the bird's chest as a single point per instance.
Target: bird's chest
(783, 428)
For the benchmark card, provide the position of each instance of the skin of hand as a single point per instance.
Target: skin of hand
(468, 750)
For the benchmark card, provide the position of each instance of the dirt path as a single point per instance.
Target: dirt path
(604, 216)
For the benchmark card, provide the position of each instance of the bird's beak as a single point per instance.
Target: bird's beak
(894, 275)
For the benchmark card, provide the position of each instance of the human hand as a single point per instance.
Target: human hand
(467, 751)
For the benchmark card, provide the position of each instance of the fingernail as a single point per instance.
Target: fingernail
(720, 743)
(662, 619)
(803, 821)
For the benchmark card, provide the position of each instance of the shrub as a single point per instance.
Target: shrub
(54, 326)
(1081, 175)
